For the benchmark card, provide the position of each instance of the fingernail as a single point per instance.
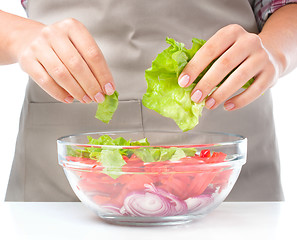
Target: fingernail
(69, 99)
(86, 99)
(184, 81)
(109, 89)
(196, 96)
(99, 97)
(210, 102)
(229, 106)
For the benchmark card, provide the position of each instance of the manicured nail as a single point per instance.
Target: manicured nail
(196, 96)
(184, 81)
(69, 99)
(210, 102)
(229, 106)
(86, 99)
(109, 89)
(99, 97)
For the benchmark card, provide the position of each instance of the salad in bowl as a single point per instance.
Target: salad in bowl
(152, 178)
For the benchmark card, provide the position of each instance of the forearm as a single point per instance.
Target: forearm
(15, 33)
(279, 37)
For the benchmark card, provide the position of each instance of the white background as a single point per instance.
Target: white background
(12, 87)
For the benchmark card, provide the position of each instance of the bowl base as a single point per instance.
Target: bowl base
(150, 221)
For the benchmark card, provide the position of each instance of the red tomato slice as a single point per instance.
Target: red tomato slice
(205, 153)
(103, 184)
(82, 160)
(174, 185)
(218, 157)
(199, 183)
(126, 159)
(101, 200)
(222, 177)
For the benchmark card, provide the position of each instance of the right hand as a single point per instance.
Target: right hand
(65, 61)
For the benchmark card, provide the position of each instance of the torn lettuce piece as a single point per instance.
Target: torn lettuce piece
(159, 154)
(112, 161)
(106, 109)
(164, 95)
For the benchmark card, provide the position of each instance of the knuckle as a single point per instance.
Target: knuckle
(259, 88)
(226, 62)
(46, 32)
(24, 57)
(74, 62)
(60, 96)
(219, 96)
(35, 45)
(59, 72)
(43, 81)
(210, 49)
(235, 29)
(92, 89)
(94, 54)
(207, 85)
(69, 22)
(253, 39)
(243, 74)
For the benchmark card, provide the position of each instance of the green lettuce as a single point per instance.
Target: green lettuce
(164, 95)
(112, 161)
(111, 156)
(106, 109)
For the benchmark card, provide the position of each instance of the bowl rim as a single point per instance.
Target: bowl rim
(237, 141)
(78, 165)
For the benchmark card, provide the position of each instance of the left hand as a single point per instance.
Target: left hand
(234, 47)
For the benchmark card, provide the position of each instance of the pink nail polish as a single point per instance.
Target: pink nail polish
(229, 106)
(69, 99)
(109, 89)
(196, 96)
(86, 99)
(99, 97)
(210, 102)
(184, 81)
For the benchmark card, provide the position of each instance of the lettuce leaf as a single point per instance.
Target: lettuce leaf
(164, 95)
(112, 161)
(111, 157)
(106, 109)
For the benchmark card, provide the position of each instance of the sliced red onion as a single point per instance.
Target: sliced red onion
(146, 205)
(196, 203)
(179, 206)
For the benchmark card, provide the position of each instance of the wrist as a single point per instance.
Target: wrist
(278, 57)
(21, 37)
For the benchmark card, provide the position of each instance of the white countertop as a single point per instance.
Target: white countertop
(72, 220)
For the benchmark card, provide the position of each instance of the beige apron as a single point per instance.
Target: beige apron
(131, 33)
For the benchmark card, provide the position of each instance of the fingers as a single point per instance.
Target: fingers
(237, 55)
(247, 70)
(89, 50)
(260, 85)
(78, 68)
(69, 55)
(58, 71)
(230, 59)
(211, 50)
(41, 77)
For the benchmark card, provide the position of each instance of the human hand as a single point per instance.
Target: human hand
(65, 61)
(234, 47)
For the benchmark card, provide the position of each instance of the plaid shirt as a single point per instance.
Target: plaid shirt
(262, 8)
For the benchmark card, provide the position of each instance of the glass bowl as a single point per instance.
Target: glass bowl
(180, 177)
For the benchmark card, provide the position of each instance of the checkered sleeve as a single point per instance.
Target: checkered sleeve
(264, 8)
